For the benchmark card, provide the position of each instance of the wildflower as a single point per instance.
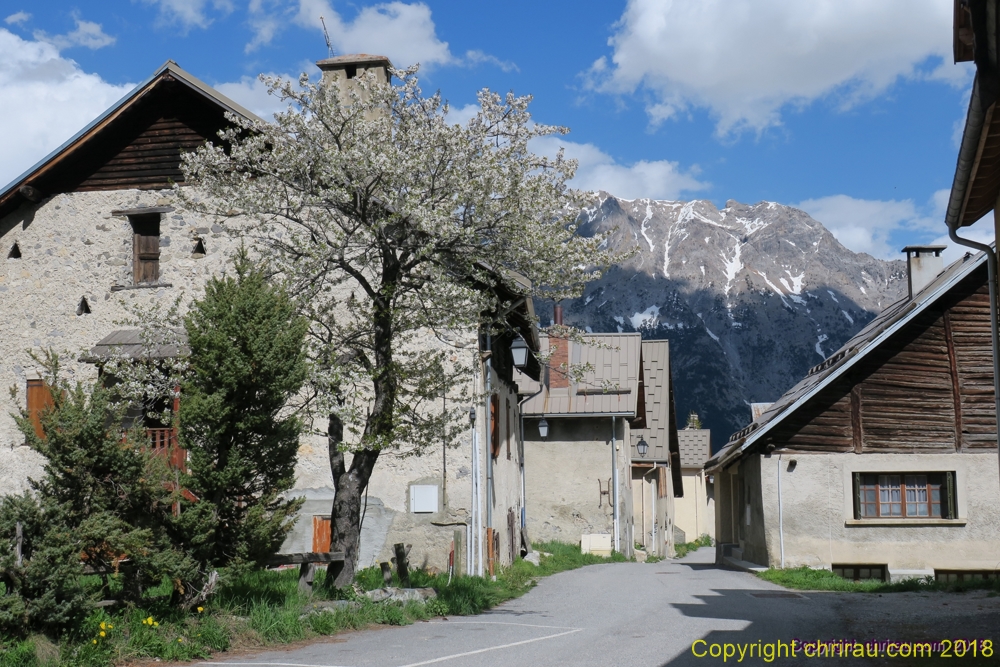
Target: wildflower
(103, 625)
(156, 624)
(103, 634)
(180, 639)
(95, 641)
(110, 627)
(201, 609)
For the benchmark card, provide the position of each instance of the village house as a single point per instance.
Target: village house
(695, 511)
(882, 462)
(95, 228)
(584, 483)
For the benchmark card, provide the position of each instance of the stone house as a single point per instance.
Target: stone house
(881, 462)
(583, 481)
(95, 228)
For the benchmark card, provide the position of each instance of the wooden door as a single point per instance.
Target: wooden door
(146, 248)
(39, 398)
(321, 534)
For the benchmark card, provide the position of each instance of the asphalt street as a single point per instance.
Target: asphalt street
(647, 614)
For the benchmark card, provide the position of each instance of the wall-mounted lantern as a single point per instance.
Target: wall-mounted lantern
(519, 351)
(543, 428)
(642, 446)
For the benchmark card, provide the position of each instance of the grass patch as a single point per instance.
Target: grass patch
(681, 550)
(265, 608)
(805, 578)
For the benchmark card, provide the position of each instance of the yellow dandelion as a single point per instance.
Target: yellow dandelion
(155, 624)
(149, 620)
(110, 627)
(201, 609)
(179, 639)
(103, 625)
(103, 634)
(95, 641)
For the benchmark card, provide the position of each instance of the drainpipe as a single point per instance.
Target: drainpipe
(781, 524)
(489, 442)
(991, 264)
(614, 476)
(520, 414)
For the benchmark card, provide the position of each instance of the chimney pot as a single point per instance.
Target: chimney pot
(923, 264)
(558, 314)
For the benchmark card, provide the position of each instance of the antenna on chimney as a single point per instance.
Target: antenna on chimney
(326, 35)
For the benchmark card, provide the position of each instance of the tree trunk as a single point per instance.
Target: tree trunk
(345, 515)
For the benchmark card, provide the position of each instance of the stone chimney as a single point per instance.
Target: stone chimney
(343, 69)
(923, 264)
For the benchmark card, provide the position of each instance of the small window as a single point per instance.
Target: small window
(146, 248)
(953, 576)
(495, 426)
(923, 495)
(351, 71)
(861, 572)
(424, 498)
(509, 431)
(199, 249)
(15, 251)
(83, 308)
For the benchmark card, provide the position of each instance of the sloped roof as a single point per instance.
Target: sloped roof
(656, 390)
(695, 447)
(10, 196)
(137, 345)
(878, 331)
(611, 387)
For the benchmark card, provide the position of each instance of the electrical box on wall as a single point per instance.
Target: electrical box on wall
(424, 498)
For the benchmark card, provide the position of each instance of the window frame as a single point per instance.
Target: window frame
(873, 491)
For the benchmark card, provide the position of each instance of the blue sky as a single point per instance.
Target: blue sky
(850, 109)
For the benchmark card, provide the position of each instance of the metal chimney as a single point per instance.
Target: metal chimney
(557, 315)
(923, 264)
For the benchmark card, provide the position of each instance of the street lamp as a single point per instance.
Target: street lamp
(543, 428)
(519, 351)
(642, 446)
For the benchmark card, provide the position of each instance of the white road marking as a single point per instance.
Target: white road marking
(492, 648)
(525, 625)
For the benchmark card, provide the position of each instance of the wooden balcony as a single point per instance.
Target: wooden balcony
(163, 443)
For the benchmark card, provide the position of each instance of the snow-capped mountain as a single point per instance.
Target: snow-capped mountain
(750, 297)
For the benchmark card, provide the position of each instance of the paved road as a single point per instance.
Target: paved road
(646, 614)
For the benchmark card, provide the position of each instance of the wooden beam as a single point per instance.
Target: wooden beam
(857, 433)
(308, 557)
(955, 388)
(31, 193)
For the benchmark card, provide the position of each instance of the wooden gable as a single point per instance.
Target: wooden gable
(929, 388)
(142, 148)
(136, 144)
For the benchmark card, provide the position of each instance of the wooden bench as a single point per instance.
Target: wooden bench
(307, 564)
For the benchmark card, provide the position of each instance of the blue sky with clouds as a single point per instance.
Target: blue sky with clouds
(849, 109)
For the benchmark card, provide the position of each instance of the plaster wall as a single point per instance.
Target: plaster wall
(566, 475)
(819, 528)
(695, 511)
(653, 515)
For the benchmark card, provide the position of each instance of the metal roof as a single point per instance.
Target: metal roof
(169, 67)
(656, 387)
(695, 446)
(610, 387)
(134, 343)
(879, 330)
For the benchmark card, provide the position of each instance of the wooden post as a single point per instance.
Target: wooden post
(18, 544)
(386, 573)
(307, 573)
(401, 569)
(458, 552)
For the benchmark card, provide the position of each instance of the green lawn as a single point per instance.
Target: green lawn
(804, 578)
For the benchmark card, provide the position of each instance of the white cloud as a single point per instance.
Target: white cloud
(44, 100)
(746, 60)
(17, 18)
(404, 33)
(877, 227)
(252, 94)
(982, 232)
(189, 13)
(87, 33)
(476, 57)
(656, 179)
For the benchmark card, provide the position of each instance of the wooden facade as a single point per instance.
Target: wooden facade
(928, 389)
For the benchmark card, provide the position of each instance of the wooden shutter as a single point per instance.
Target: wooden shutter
(39, 398)
(321, 534)
(661, 482)
(952, 506)
(146, 248)
(857, 494)
(495, 425)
